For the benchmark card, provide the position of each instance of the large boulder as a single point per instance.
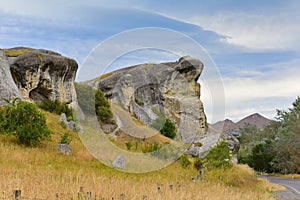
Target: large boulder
(170, 89)
(8, 87)
(43, 74)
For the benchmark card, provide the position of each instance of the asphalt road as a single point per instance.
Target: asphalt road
(292, 186)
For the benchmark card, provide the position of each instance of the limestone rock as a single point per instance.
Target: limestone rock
(207, 141)
(120, 162)
(233, 142)
(43, 74)
(64, 148)
(170, 89)
(69, 124)
(8, 87)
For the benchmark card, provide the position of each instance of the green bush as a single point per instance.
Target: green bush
(218, 157)
(198, 164)
(129, 145)
(57, 107)
(3, 120)
(184, 161)
(65, 139)
(169, 129)
(102, 106)
(26, 122)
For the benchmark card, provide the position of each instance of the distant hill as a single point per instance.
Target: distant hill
(230, 127)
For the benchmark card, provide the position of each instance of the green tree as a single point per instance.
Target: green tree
(102, 106)
(277, 147)
(26, 122)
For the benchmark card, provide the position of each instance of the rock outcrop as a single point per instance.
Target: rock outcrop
(8, 88)
(169, 89)
(43, 74)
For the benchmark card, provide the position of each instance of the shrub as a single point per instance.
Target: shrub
(57, 107)
(198, 164)
(102, 106)
(3, 120)
(65, 139)
(26, 122)
(129, 145)
(218, 157)
(169, 129)
(184, 161)
(138, 101)
(150, 147)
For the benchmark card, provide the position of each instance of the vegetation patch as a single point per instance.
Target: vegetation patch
(57, 107)
(65, 139)
(93, 102)
(275, 149)
(165, 126)
(16, 53)
(24, 121)
(138, 101)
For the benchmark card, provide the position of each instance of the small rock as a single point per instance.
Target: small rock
(69, 124)
(120, 162)
(64, 148)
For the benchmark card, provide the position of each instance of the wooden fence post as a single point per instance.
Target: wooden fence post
(89, 195)
(17, 194)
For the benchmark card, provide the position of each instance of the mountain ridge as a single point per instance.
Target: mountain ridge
(228, 126)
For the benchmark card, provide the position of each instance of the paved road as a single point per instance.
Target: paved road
(292, 185)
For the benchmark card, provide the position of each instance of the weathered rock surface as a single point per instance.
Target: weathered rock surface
(64, 148)
(8, 87)
(43, 74)
(69, 124)
(233, 142)
(170, 89)
(120, 162)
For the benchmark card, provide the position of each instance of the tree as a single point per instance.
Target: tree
(102, 107)
(277, 147)
(26, 122)
(169, 129)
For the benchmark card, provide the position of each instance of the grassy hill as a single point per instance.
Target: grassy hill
(41, 173)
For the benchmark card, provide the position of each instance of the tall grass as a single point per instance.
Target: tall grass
(42, 173)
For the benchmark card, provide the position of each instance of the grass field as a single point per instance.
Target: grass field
(41, 173)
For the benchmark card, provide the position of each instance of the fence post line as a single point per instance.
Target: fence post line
(17, 194)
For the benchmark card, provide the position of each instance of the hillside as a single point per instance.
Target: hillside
(41, 173)
(228, 126)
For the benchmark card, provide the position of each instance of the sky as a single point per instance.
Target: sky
(251, 47)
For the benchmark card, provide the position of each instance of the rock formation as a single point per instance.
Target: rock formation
(43, 74)
(169, 89)
(8, 88)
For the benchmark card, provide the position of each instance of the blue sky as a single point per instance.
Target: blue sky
(255, 45)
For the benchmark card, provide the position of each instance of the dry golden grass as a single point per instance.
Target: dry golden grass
(42, 173)
(292, 176)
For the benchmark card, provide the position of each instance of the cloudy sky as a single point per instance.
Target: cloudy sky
(254, 45)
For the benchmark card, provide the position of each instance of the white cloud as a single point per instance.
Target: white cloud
(255, 30)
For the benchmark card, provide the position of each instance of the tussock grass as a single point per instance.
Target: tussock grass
(42, 173)
(16, 52)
